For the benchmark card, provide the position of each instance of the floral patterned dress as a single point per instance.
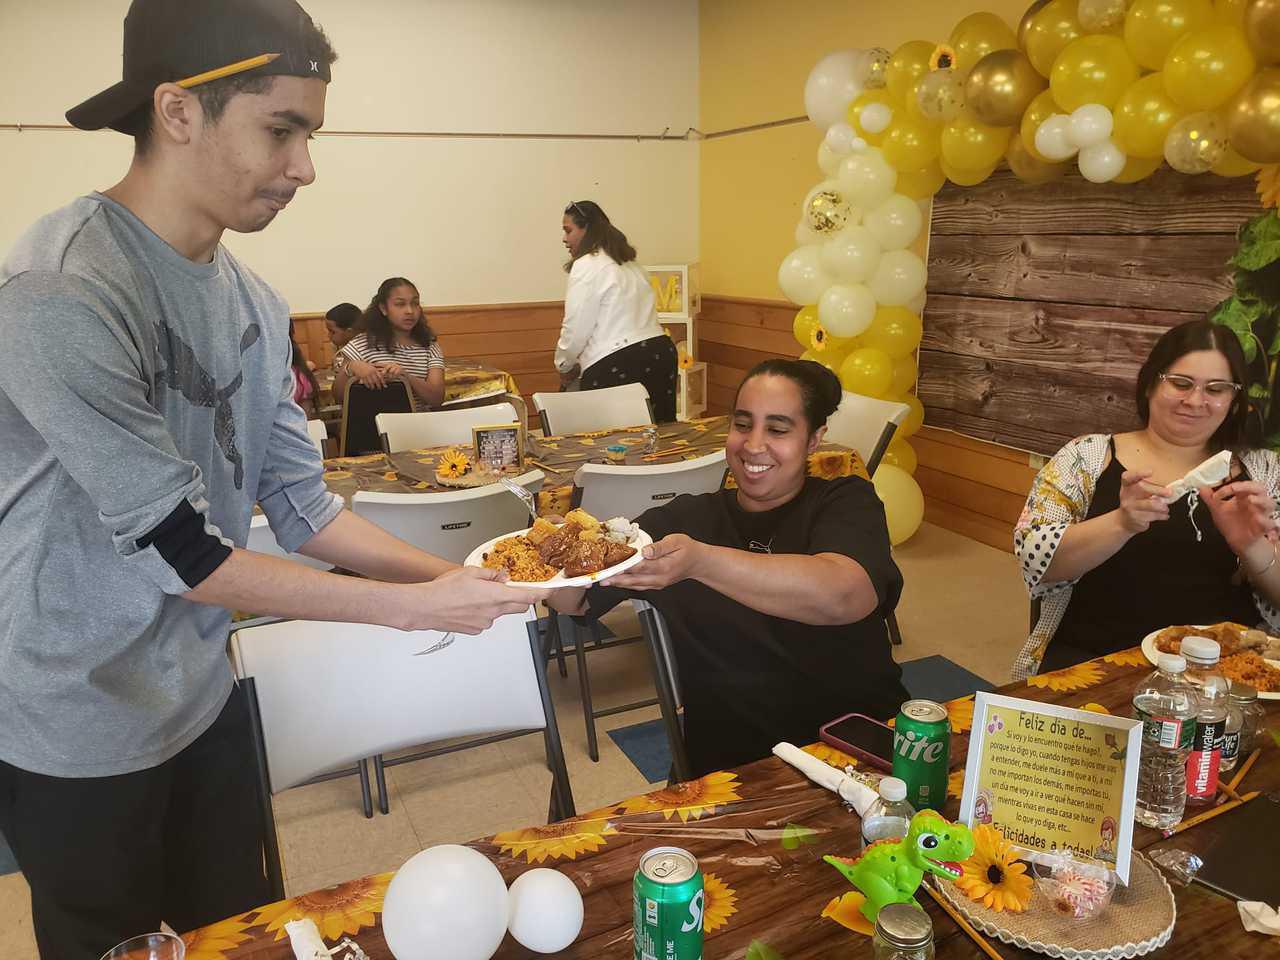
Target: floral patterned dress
(1060, 496)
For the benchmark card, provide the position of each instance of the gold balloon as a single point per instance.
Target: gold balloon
(966, 178)
(1195, 143)
(968, 144)
(908, 64)
(1001, 86)
(921, 184)
(1101, 16)
(1230, 12)
(865, 99)
(1143, 116)
(1253, 118)
(1025, 23)
(1262, 29)
(1234, 165)
(1050, 30)
(1206, 67)
(1040, 109)
(977, 35)
(1154, 26)
(940, 96)
(1093, 69)
(877, 69)
(827, 212)
(1138, 168)
(1029, 169)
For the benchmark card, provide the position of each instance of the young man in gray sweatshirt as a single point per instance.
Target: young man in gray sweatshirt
(148, 409)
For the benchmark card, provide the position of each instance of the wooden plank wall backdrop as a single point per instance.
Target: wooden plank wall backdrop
(1043, 303)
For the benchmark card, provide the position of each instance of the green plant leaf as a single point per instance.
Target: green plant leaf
(1260, 285)
(1275, 735)
(1238, 316)
(1258, 391)
(759, 950)
(1259, 242)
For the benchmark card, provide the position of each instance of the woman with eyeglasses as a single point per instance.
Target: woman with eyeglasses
(1108, 554)
(611, 335)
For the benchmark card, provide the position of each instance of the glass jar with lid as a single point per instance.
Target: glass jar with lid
(1243, 700)
(903, 932)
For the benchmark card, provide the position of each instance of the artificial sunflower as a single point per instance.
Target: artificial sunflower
(1095, 708)
(993, 876)
(691, 799)
(943, 58)
(955, 783)
(1269, 185)
(453, 463)
(686, 361)
(212, 942)
(1070, 678)
(846, 910)
(819, 339)
(566, 839)
(830, 755)
(718, 903)
(1133, 657)
(960, 713)
(343, 908)
(830, 464)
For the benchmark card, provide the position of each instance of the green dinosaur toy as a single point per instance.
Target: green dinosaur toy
(889, 871)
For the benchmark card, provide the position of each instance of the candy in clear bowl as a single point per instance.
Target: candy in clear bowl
(1076, 886)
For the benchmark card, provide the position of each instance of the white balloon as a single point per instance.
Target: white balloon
(806, 235)
(866, 178)
(828, 160)
(546, 910)
(832, 85)
(801, 276)
(1102, 162)
(899, 278)
(896, 222)
(1053, 138)
(840, 137)
(846, 309)
(916, 303)
(851, 255)
(1090, 124)
(876, 117)
(447, 901)
(858, 145)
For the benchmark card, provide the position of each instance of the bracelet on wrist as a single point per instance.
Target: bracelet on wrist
(1257, 573)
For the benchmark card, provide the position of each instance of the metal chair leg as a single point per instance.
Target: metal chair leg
(380, 774)
(557, 643)
(366, 799)
(584, 684)
(895, 635)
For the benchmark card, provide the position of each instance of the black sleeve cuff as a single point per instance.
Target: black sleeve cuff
(185, 544)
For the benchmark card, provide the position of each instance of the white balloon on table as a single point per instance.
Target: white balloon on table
(545, 910)
(801, 276)
(851, 255)
(899, 278)
(846, 309)
(833, 83)
(896, 222)
(447, 901)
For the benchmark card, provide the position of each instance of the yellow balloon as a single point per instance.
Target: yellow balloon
(1092, 69)
(1230, 12)
(902, 499)
(1030, 170)
(977, 35)
(1253, 119)
(896, 331)
(1143, 117)
(915, 418)
(910, 144)
(1024, 24)
(1040, 110)
(867, 371)
(1050, 31)
(968, 144)
(919, 184)
(966, 178)
(1001, 87)
(1262, 29)
(1206, 68)
(831, 359)
(805, 323)
(900, 454)
(1234, 165)
(1138, 168)
(865, 99)
(908, 64)
(904, 375)
(1152, 27)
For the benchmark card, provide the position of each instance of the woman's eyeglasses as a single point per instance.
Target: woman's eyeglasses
(1215, 391)
(578, 210)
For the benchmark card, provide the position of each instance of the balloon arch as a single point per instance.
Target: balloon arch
(1115, 87)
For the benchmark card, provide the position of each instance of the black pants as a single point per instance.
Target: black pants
(108, 858)
(651, 362)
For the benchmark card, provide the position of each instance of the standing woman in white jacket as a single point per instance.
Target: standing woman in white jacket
(611, 332)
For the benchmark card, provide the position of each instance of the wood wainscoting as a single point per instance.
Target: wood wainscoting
(519, 338)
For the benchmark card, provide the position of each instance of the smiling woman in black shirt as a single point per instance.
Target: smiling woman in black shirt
(775, 593)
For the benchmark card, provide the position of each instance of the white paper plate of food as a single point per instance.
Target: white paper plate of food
(1248, 656)
(577, 553)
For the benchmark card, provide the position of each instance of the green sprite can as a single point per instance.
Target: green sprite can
(921, 749)
(668, 902)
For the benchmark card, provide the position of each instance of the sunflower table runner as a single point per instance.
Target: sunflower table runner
(759, 833)
(414, 471)
(463, 380)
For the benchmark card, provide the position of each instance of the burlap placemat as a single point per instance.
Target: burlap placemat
(1138, 920)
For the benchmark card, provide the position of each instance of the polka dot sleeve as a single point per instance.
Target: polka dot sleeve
(1264, 467)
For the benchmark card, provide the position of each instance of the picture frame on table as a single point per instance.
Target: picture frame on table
(498, 445)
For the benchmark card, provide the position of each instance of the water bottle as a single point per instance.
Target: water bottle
(889, 818)
(1167, 704)
(1201, 655)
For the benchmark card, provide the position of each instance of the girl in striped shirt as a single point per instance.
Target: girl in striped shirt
(396, 344)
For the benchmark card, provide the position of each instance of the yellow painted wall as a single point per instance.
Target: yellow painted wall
(754, 56)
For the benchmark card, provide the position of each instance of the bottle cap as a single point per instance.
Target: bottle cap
(1172, 663)
(1242, 692)
(904, 925)
(1200, 648)
(893, 789)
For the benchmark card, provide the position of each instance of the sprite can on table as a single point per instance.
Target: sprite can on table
(921, 749)
(668, 901)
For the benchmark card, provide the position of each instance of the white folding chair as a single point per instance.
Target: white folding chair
(868, 425)
(262, 540)
(323, 696)
(577, 411)
(613, 491)
(453, 523)
(436, 428)
(318, 433)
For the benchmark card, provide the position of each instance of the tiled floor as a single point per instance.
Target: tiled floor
(962, 600)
